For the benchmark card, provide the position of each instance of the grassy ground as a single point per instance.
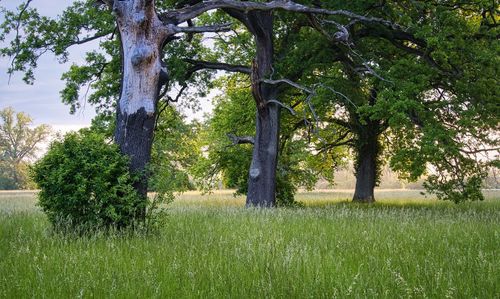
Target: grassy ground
(403, 246)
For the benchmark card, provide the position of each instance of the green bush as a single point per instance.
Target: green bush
(86, 184)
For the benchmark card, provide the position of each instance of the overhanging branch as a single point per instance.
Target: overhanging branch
(202, 29)
(181, 15)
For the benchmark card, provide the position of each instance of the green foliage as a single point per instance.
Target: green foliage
(36, 34)
(228, 163)
(174, 152)
(19, 142)
(86, 184)
(222, 161)
(15, 176)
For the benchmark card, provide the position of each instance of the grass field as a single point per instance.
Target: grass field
(403, 246)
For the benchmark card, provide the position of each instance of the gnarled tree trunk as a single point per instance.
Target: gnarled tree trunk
(141, 34)
(262, 173)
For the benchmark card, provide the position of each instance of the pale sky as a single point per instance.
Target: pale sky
(42, 100)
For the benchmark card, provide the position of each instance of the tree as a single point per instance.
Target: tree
(268, 94)
(421, 89)
(227, 139)
(144, 30)
(18, 145)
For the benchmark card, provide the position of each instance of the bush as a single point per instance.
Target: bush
(86, 184)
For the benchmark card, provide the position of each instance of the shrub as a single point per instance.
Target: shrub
(86, 184)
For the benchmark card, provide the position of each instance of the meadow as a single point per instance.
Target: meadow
(405, 245)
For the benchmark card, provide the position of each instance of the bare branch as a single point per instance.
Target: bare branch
(481, 150)
(332, 145)
(340, 122)
(338, 93)
(183, 88)
(240, 139)
(200, 64)
(311, 93)
(283, 106)
(79, 41)
(311, 108)
(289, 82)
(202, 29)
(181, 15)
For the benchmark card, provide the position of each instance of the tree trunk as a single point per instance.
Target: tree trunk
(141, 34)
(262, 173)
(366, 167)
(368, 148)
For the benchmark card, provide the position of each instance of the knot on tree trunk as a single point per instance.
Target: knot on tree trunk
(254, 173)
(142, 54)
(139, 18)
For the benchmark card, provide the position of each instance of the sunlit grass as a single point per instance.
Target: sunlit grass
(212, 247)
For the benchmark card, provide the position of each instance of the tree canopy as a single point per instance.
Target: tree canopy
(19, 143)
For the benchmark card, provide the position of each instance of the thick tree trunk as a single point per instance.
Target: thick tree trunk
(262, 173)
(142, 35)
(366, 167)
(367, 149)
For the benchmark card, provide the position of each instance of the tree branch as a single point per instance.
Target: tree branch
(283, 106)
(289, 82)
(90, 38)
(338, 93)
(240, 139)
(16, 38)
(340, 122)
(202, 29)
(397, 39)
(200, 64)
(181, 15)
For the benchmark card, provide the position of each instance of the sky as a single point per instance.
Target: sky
(42, 100)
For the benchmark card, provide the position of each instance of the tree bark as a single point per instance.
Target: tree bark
(368, 149)
(262, 172)
(141, 34)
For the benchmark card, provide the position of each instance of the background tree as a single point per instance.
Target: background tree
(174, 152)
(388, 88)
(19, 143)
(227, 139)
(272, 77)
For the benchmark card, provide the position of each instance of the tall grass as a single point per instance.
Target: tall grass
(214, 248)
